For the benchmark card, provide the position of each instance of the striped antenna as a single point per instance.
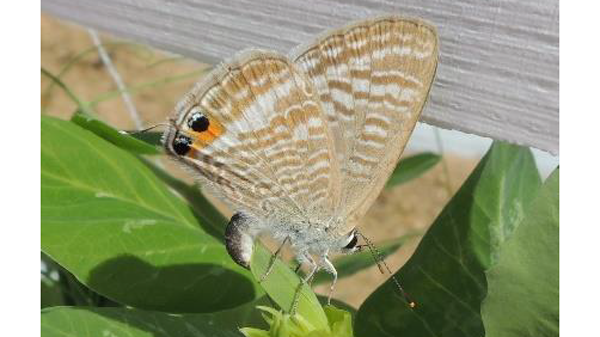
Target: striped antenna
(376, 254)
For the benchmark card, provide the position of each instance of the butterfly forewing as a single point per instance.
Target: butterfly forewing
(267, 149)
(373, 78)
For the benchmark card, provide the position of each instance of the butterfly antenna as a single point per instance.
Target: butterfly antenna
(135, 132)
(376, 254)
(171, 123)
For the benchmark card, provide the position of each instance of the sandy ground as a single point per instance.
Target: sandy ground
(408, 208)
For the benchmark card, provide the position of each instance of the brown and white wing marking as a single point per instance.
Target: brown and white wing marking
(373, 78)
(255, 132)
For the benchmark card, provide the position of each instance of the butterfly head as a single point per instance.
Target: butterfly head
(350, 243)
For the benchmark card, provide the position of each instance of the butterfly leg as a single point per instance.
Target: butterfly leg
(272, 261)
(328, 266)
(304, 257)
(314, 267)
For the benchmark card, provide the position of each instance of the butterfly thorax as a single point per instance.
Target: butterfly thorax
(307, 236)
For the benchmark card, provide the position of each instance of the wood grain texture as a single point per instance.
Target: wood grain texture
(498, 72)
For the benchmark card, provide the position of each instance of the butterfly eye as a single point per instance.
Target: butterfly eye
(182, 144)
(352, 242)
(198, 122)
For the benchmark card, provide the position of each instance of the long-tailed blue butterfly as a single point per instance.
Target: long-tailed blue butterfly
(301, 145)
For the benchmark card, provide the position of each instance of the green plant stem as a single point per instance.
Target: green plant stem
(165, 60)
(81, 104)
(136, 88)
(75, 59)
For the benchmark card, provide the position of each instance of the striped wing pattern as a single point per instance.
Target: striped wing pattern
(373, 79)
(314, 136)
(267, 149)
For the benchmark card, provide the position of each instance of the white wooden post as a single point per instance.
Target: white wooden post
(498, 75)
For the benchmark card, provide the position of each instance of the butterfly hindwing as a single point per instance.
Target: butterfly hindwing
(267, 148)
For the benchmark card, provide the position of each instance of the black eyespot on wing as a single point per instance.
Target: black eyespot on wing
(198, 122)
(352, 242)
(182, 144)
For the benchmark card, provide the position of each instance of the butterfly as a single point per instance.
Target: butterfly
(300, 146)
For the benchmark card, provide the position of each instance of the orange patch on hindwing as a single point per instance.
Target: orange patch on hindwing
(205, 138)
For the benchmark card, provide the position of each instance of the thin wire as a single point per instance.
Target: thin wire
(440, 146)
(133, 113)
(121, 87)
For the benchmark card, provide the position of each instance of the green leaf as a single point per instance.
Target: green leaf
(337, 304)
(295, 325)
(211, 220)
(412, 167)
(119, 139)
(283, 285)
(445, 276)
(73, 292)
(349, 265)
(51, 294)
(244, 315)
(113, 322)
(523, 289)
(340, 321)
(112, 223)
(149, 137)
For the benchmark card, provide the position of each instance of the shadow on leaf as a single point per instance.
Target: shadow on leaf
(184, 288)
